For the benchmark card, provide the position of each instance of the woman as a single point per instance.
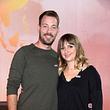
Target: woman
(79, 86)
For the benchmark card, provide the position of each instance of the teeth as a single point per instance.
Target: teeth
(48, 36)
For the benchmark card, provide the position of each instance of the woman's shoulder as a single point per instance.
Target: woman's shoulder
(91, 72)
(88, 68)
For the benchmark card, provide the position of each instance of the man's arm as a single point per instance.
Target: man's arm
(12, 102)
(15, 78)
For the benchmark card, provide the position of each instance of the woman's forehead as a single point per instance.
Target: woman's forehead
(67, 43)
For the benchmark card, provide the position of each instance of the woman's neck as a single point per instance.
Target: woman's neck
(70, 65)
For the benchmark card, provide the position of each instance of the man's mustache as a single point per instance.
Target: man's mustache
(48, 34)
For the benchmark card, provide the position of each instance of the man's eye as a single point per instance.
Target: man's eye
(44, 26)
(54, 27)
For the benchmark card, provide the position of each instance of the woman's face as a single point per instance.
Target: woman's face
(68, 52)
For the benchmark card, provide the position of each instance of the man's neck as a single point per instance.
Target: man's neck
(42, 46)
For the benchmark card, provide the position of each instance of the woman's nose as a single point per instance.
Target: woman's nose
(66, 50)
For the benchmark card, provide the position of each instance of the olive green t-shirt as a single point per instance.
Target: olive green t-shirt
(37, 72)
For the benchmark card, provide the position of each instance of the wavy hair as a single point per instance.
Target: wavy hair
(80, 57)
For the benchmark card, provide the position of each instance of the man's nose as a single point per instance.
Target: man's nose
(49, 30)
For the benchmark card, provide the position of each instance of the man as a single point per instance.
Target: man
(34, 67)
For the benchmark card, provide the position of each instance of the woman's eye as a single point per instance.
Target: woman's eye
(61, 48)
(70, 46)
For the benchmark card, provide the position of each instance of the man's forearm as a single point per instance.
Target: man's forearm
(12, 102)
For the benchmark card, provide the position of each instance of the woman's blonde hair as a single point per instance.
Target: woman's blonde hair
(80, 58)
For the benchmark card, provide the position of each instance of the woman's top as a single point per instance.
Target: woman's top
(83, 92)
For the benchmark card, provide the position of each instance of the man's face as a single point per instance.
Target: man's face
(48, 30)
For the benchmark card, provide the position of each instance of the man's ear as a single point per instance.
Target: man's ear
(38, 27)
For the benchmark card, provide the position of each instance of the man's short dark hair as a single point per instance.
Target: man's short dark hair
(49, 13)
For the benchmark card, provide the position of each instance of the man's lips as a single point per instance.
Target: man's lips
(50, 35)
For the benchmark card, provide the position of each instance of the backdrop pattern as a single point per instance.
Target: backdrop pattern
(90, 20)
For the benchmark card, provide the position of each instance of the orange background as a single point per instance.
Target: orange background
(90, 20)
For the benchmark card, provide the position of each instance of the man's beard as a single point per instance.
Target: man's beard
(46, 42)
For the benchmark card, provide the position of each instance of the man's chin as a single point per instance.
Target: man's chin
(49, 43)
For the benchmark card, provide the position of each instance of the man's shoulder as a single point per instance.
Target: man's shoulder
(29, 46)
(54, 53)
(25, 48)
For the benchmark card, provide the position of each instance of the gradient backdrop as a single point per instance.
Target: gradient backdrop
(88, 19)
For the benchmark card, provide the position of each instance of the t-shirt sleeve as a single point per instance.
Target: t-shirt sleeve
(16, 72)
(95, 88)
